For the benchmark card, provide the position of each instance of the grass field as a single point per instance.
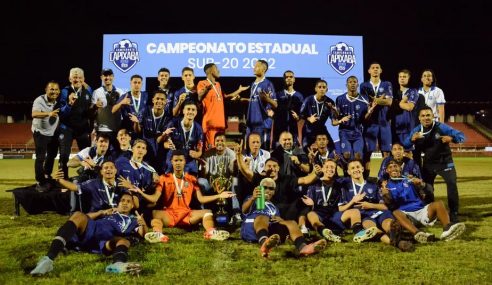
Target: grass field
(188, 259)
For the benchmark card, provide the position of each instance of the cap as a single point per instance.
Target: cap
(107, 71)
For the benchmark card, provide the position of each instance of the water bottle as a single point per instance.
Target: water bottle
(260, 201)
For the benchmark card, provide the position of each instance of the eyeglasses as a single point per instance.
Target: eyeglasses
(269, 188)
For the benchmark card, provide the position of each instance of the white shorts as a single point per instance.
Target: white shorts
(420, 216)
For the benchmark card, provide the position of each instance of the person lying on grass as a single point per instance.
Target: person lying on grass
(403, 196)
(105, 235)
(364, 195)
(323, 199)
(259, 223)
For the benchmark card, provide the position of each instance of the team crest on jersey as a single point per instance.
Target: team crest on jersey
(124, 55)
(341, 58)
(357, 107)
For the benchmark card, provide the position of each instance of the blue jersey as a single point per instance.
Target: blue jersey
(136, 107)
(139, 174)
(404, 195)
(408, 167)
(99, 231)
(321, 109)
(283, 117)
(325, 197)
(152, 127)
(357, 108)
(404, 121)
(191, 95)
(349, 189)
(186, 141)
(248, 232)
(102, 196)
(257, 110)
(380, 115)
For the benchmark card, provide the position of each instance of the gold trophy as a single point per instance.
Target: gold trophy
(221, 183)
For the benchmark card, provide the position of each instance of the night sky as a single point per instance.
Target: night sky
(454, 39)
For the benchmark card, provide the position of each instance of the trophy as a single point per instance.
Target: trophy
(221, 183)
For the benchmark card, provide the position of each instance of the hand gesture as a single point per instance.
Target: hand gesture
(181, 98)
(446, 139)
(265, 97)
(125, 183)
(359, 197)
(313, 118)
(88, 163)
(294, 115)
(71, 98)
(59, 174)
(133, 118)
(317, 170)
(417, 136)
(54, 113)
(312, 154)
(270, 113)
(307, 201)
(238, 148)
(226, 194)
(169, 144)
(140, 219)
(384, 188)
(126, 100)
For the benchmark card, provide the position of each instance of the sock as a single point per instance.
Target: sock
(320, 230)
(156, 225)
(300, 242)
(64, 233)
(262, 235)
(120, 254)
(357, 227)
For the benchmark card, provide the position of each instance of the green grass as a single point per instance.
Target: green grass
(188, 259)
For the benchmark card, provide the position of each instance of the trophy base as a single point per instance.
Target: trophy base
(222, 220)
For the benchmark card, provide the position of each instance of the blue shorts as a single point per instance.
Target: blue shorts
(375, 132)
(89, 241)
(248, 232)
(378, 217)
(351, 142)
(333, 222)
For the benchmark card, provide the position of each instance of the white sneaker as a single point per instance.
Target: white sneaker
(214, 234)
(329, 235)
(453, 231)
(423, 237)
(155, 237)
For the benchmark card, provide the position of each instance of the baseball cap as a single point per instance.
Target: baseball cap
(107, 71)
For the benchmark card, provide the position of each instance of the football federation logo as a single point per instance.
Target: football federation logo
(124, 55)
(341, 58)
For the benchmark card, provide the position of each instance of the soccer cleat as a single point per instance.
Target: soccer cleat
(304, 230)
(365, 234)
(313, 248)
(155, 237)
(124, 267)
(45, 265)
(235, 220)
(269, 244)
(423, 237)
(453, 231)
(214, 234)
(329, 235)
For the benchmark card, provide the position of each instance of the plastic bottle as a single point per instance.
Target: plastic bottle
(260, 201)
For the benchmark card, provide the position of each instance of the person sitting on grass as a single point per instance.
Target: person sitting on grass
(363, 195)
(101, 195)
(404, 197)
(105, 235)
(259, 223)
(178, 189)
(323, 199)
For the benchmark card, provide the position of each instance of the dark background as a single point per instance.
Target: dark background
(42, 40)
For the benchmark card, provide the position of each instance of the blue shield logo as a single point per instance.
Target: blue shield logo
(341, 58)
(124, 55)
